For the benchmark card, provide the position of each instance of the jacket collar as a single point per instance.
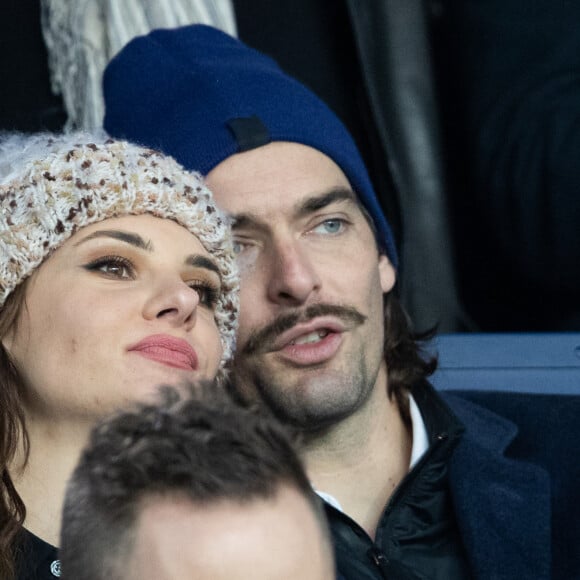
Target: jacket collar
(502, 505)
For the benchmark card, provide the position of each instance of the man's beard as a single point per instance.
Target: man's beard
(310, 399)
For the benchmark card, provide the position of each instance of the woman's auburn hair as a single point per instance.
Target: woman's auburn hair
(12, 436)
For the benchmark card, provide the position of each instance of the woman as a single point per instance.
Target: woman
(116, 276)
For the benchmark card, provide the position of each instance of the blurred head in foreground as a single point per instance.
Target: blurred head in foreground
(195, 487)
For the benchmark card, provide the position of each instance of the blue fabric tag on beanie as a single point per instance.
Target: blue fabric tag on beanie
(249, 132)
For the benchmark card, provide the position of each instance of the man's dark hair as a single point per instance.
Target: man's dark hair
(203, 447)
(408, 364)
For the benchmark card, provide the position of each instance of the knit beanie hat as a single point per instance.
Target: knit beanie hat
(201, 96)
(51, 186)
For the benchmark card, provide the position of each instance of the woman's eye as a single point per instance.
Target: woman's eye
(330, 226)
(113, 267)
(208, 294)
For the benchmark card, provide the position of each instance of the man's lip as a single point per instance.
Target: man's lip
(168, 350)
(300, 329)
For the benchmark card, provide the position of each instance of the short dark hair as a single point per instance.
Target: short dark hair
(203, 447)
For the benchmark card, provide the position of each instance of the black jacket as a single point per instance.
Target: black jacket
(515, 490)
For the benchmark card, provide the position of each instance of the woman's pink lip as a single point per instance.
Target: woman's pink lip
(168, 350)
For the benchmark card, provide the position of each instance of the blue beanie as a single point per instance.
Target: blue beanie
(200, 95)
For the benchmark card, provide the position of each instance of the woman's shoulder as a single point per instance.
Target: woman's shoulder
(36, 559)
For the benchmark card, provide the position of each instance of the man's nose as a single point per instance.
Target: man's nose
(293, 276)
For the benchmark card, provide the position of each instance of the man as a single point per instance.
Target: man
(192, 488)
(416, 487)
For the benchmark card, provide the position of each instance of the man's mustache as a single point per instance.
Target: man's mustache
(259, 339)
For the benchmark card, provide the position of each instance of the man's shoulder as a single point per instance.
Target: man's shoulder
(541, 428)
(526, 410)
(520, 447)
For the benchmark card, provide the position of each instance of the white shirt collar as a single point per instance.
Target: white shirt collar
(420, 437)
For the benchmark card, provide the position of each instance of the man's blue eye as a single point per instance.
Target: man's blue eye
(332, 226)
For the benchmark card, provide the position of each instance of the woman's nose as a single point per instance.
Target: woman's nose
(173, 301)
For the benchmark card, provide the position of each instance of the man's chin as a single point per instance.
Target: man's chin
(310, 403)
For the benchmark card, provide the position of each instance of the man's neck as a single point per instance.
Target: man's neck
(362, 460)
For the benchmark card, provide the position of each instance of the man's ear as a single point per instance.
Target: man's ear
(387, 274)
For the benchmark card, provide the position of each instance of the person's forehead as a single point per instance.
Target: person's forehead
(276, 177)
(155, 231)
(175, 534)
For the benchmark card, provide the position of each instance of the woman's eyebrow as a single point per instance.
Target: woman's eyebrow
(123, 236)
(198, 261)
(195, 260)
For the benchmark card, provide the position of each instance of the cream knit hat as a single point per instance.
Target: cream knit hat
(53, 185)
